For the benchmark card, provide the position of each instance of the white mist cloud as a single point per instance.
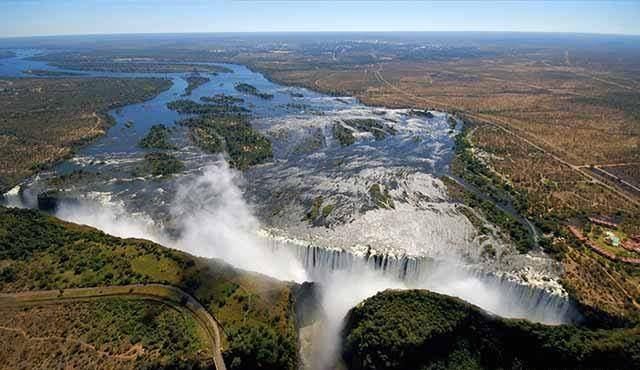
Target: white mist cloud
(215, 221)
(341, 291)
(112, 219)
(213, 218)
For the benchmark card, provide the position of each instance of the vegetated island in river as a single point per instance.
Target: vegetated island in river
(222, 99)
(48, 73)
(225, 128)
(161, 164)
(189, 106)
(231, 134)
(194, 81)
(252, 90)
(157, 138)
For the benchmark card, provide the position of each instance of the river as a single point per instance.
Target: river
(422, 240)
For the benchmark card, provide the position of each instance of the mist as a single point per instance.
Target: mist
(341, 291)
(112, 219)
(214, 220)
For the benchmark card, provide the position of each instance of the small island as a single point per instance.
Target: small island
(252, 90)
(189, 106)
(231, 134)
(47, 73)
(222, 99)
(157, 138)
(162, 164)
(194, 81)
(343, 135)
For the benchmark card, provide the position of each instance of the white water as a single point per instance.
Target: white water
(215, 221)
(346, 279)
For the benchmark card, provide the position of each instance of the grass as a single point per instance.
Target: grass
(598, 235)
(156, 267)
(41, 252)
(106, 332)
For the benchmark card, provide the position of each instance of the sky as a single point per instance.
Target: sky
(79, 17)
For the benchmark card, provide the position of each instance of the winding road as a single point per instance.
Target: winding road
(166, 294)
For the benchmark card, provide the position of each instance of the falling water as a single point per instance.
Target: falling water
(497, 293)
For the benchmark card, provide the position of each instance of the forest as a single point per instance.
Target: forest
(193, 82)
(157, 138)
(418, 329)
(252, 90)
(189, 106)
(233, 135)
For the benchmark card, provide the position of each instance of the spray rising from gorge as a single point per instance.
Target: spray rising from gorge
(356, 218)
(214, 220)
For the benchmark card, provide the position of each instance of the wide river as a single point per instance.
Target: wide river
(258, 219)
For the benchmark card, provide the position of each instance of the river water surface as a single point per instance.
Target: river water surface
(258, 219)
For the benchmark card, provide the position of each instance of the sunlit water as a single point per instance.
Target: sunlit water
(212, 211)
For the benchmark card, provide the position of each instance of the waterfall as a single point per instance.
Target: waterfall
(500, 294)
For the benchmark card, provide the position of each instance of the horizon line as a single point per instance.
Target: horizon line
(309, 32)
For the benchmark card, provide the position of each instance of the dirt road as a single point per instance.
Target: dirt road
(167, 294)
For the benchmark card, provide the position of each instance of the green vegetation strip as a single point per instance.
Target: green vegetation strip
(193, 82)
(162, 164)
(343, 134)
(476, 173)
(222, 99)
(41, 252)
(189, 106)
(252, 90)
(417, 329)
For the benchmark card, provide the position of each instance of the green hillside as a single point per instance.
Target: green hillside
(417, 329)
(40, 252)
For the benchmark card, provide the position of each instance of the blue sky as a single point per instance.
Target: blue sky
(58, 17)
